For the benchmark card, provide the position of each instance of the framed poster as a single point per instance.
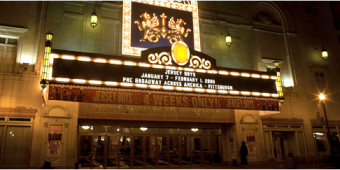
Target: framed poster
(54, 139)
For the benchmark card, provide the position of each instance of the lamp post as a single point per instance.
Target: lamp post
(322, 98)
(48, 46)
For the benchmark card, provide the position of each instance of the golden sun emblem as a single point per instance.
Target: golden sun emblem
(180, 53)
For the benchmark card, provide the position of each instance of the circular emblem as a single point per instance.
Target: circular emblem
(180, 53)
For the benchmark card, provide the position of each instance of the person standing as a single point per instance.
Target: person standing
(244, 154)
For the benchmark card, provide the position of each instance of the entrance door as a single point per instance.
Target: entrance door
(138, 153)
(163, 151)
(98, 151)
(113, 152)
(85, 152)
(125, 151)
(150, 152)
(196, 151)
(185, 154)
(91, 151)
(173, 151)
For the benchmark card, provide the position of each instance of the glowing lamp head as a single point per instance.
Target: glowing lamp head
(49, 36)
(228, 39)
(322, 96)
(180, 53)
(276, 63)
(143, 129)
(194, 129)
(324, 54)
(94, 18)
(85, 127)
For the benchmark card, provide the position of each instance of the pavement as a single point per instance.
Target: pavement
(271, 165)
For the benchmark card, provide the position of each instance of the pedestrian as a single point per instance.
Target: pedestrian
(244, 154)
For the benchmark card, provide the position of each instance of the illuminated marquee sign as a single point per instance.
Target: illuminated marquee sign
(129, 97)
(150, 24)
(149, 72)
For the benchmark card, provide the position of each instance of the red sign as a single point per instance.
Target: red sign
(158, 99)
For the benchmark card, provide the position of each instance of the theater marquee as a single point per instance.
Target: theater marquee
(104, 96)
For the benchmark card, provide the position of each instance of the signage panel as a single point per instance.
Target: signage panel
(158, 99)
(75, 69)
(164, 25)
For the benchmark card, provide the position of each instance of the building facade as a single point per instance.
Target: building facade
(103, 108)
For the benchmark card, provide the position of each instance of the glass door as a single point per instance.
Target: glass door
(150, 151)
(173, 152)
(196, 151)
(217, 157)
(113, 152)
(125, 151)
(98, 151)
(207, 150)
(138, 153)
(163, 151)
(85, 152)
(185, 152)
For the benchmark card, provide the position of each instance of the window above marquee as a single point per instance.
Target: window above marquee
(9, 43)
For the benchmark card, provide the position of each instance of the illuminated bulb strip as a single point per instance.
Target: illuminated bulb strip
(63, 79)
(157, 66)
(224, 72)
(100, 60)
(266, 94)
(200, 90)
(234, 92)
(129, 63)
(212, 71)
(245, 93)
(52, 57)
(144, 65)
(234, 73)
(95, 82)
(49, 73)
(256, 93)
(68, 57)
(187, 89)
(155, 86)
(126, 84)
(223, 91)
(79, 80)
(255, 75)
(189, 69)
(275, 95)
(273, 77)
(141, 85)
(265, 76)
(111, 83)
(170, 67)
(115, 62)
(84, 59)
(211, 91)
(245, 74)
(201, 70)
(179, 88)
(168, 87)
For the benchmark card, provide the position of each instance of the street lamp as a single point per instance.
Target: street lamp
(322, 98)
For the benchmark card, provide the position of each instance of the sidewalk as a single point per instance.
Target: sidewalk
(271, 165)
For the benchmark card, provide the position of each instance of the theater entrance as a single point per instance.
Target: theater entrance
(117, 146)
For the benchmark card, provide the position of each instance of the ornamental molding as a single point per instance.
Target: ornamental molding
(12, 31)
(275, 121)
(18, 111)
